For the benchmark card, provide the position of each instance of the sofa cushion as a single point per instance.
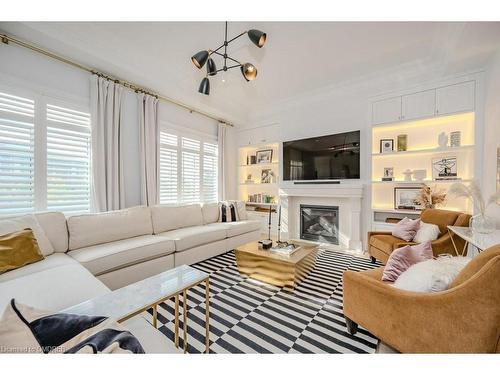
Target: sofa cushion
(55, 227)
(385, 242)
(235, 228)
(28, 221)
(93, 229)
(18, 249)
(54, 288)
(210, 213)
(187, 238)
(104, 258)
(167, 218)
(51, 261)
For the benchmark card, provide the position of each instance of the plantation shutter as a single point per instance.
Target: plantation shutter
(190, 170)
(68, 159)
(168, 168)
(17, 193)
(210, 172)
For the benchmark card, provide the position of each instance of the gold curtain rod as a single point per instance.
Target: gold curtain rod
(6, 39)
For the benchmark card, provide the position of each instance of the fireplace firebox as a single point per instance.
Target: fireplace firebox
(319, 223)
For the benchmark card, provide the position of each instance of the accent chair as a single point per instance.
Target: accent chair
(382, 244)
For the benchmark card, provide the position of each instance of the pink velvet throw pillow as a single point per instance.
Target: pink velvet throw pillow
(403, 258)
(406, 229)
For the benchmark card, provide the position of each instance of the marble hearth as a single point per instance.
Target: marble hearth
(347, 197)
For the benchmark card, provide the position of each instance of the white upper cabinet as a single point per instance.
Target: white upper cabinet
(386, 111)
(418, 105)
(455, 98)
(260, 135)
(445, 100)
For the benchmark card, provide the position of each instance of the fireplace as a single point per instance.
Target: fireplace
(319, 223)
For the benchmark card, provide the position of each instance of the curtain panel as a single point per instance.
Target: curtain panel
(221, 139)
(149, 144)
(107, 166)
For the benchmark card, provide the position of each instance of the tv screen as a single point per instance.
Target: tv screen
(331, 157)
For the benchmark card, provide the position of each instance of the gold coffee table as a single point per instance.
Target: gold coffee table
(276, 269)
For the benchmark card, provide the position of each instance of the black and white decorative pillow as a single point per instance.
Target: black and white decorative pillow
(26, 330)
(228, 211)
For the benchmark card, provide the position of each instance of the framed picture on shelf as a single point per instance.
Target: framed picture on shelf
(264, 156)
(498, 173)
(388, 174)
(404, 198)
(266, 176)
(444, 168)
(386, 145)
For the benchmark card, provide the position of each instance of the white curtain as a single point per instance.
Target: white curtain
(149, 140)
(221, 138)
(107, 169)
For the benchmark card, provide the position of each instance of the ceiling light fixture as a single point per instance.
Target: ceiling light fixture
(249, 71)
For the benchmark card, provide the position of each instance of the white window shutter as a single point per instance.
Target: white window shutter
(17, 191)
(210, 172)
(68, 159)
(190, 172)
(169, 192)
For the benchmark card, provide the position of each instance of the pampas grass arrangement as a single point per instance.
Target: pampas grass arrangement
(473, 192)
(429, 198)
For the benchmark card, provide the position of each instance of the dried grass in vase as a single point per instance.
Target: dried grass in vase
(429, 198)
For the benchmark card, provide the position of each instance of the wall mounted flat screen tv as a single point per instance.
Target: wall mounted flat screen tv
(331, 157)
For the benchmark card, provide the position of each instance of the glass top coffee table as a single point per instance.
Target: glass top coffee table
(131, 300)
(276, 269)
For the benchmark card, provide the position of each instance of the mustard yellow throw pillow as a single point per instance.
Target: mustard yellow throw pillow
(18, 249)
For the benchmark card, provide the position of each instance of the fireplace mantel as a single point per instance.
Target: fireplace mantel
(346, 196)
(327, 190)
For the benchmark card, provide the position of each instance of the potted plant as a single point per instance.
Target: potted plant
(429, 198)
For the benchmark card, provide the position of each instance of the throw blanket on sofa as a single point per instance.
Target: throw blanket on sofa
(25, 330)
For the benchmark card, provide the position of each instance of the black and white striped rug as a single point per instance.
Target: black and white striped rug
(248, 316)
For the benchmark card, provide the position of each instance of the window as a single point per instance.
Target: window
(188, 168)
(17, 141)
(44, 155)
(68, 160)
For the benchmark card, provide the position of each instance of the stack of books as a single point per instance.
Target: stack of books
(285, 250)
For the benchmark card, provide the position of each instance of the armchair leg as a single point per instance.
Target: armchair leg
(352, 327)
(373, 259)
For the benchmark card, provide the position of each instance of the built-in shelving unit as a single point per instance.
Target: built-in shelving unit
(422, 147)
(259, 210)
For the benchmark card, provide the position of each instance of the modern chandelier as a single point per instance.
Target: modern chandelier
(249, 71)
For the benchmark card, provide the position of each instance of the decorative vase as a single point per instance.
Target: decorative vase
(482, 224)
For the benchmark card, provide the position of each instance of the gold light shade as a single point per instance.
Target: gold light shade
(249, 71)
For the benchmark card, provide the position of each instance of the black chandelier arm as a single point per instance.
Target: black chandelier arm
(236, 37)
(229, 67)
(233, 60)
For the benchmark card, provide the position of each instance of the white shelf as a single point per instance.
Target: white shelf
(274, 163)
(257, 184)
(420, 182)
(425, 151)
(260, 204)
(396, 211)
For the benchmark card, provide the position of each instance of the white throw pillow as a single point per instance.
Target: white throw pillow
(427, 232)
(433, 275)
(28, 221)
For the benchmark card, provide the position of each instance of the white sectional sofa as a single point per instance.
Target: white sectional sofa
(96, 253)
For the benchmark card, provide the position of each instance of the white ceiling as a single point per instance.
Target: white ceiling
(298, 58)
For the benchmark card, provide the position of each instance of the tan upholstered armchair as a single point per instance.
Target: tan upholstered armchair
(463, 319)
(381, 244)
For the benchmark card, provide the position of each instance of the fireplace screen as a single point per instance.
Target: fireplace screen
(319, 223)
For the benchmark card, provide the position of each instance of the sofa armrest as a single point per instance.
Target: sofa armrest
(370, 233)
(443, 245)
(462, 319)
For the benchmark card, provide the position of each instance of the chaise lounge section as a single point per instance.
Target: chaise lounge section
(96, 253)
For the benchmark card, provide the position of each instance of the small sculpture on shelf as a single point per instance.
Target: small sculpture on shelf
(443, 140)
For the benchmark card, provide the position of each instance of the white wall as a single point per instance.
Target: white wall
(492, 133)
(23, 68)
